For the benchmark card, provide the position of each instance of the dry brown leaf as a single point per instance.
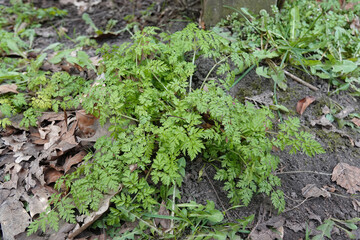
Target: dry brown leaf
(13, 218)
(100, 131)
(347, 177)
(356, 121)
(355, 25)
(52, 134)
(325, 110)
(311, 190)
(52, 175)
(304, 103)
(267, 234)
(356, 205)
(13, 169)
(85, 123)
(295, 226)
(40, 141)
(89, 219)
(350, 5)
(52, 116)
(345, 112)
(69, 136)
(165, 223)
(37, 204)
(330, 188)
(7, 88)
(95, 60)
(133, 167)
(73, 160)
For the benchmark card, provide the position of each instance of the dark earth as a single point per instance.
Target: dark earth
(295, 171)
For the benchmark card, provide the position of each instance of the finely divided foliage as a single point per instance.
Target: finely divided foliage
(158, 122)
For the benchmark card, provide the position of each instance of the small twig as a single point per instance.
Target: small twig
(190, 81)
(260, 218)
(292, 198)
(207, 76)
(314, 172)
(173, 209)
(299, 80)
(302, 202)
(217, 196)
(128, 117)
(343, 196)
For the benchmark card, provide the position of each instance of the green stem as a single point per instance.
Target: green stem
(125, 116)
(160, 82)
(193, 62)
(243, 75)
(212, 69)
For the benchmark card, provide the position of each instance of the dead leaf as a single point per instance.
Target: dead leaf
(265, 98)
(37, 204)
(345, 112)
(314, 216)
(325, 110)
(13, 218)
(46, 32)
(310, 190)
(347, 177)
(73, 160)
(13, 169)
(350, 5)
(304, 103)
(52, 175)
(53, 135)
(330, 188)
(356, 205)
(295, 226)
(52, 116)
(356, 121)
(165, 223)
(99, 132)
(7, 88)
(323, 121)
(96, 60)
(89, 219)
(133, 167)
(267, 234)
(355, 25)
(85, 123)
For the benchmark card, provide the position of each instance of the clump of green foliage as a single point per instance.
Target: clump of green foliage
(23, 18)
(158, 124)
(27, 13)
(320, 38)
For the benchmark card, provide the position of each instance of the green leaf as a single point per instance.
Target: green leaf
(262, 71)
(89, 21)
(344, 67)
(294, 22)
(279, 107)
(326, 229)
(14, 47)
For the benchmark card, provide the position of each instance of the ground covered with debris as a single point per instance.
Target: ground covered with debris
(321, 192)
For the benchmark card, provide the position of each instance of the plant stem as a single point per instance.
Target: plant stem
(207, 76)
(243, 75)
(173, 209)
(299, 80)
(125, 116)
(160, 82)
(193, 62)
(314, 172)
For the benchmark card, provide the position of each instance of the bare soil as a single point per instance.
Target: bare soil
(296, 171)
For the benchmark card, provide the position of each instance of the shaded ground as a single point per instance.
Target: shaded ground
(296, 171)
